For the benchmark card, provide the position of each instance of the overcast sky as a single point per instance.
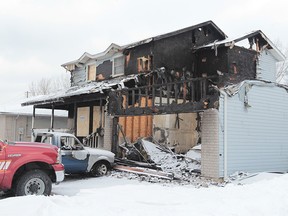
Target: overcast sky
(37, 36)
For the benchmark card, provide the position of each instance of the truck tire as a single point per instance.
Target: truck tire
(99, 169)
(33, 182)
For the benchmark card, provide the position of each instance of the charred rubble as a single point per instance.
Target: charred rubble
(149, 158)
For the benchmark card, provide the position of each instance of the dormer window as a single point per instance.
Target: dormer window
(91, 72)
(118, 66)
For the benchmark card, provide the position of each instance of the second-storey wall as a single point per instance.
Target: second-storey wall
(266, 67)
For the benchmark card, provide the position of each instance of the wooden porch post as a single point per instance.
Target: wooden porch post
(75, 119)
(115, 135)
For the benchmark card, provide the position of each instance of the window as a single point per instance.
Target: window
(144, 63)
(70, 143)
(91, 72)
(118, 65)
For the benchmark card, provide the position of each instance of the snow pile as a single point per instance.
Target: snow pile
(195, 153)
(122, 197)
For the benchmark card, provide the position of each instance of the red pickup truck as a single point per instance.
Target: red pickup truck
(29, 168)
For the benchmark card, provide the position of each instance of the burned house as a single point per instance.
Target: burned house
(191, 86)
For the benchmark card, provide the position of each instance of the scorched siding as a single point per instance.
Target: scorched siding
(257, 133)
(78, 76)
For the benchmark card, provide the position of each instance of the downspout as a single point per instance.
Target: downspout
(225, 133)
(32, 124)
(15, 126)
(33, 118)
(52, 119)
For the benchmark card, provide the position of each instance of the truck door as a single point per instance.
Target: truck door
(2, 161)
(74, 156)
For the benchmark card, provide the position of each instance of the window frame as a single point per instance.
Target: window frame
(113, 65)
(87, 72)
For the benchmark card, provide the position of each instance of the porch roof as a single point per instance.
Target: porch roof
(88, 88)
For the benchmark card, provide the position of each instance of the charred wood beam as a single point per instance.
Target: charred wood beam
(189, 107)
(190, 95)
(115, 136)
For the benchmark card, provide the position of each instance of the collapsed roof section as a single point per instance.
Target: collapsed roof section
(257, 40)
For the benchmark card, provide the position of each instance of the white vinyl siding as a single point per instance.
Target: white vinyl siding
(257, 134)
(266, 67)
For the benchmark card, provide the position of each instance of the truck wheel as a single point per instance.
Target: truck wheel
(33, 182)
(99, 169)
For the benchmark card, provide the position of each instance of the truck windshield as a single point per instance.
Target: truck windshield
(44, 139)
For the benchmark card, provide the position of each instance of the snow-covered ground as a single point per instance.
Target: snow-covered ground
(263, 194)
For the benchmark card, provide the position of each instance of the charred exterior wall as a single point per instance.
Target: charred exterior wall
(242, 63)
(132, 55)
(235, 64)
(208, 62)
(170, 51)
(174, 53)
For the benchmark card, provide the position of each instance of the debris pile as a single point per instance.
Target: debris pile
(179, 165)
(194, 180)
(146, 160)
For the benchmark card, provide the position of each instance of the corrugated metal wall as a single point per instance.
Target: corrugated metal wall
(266, 67)
(257, 133)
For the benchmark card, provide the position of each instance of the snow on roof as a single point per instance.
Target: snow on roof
(92, 87)
(15, 108)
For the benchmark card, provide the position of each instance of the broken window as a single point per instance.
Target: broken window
(91, 72)
(144, 63)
